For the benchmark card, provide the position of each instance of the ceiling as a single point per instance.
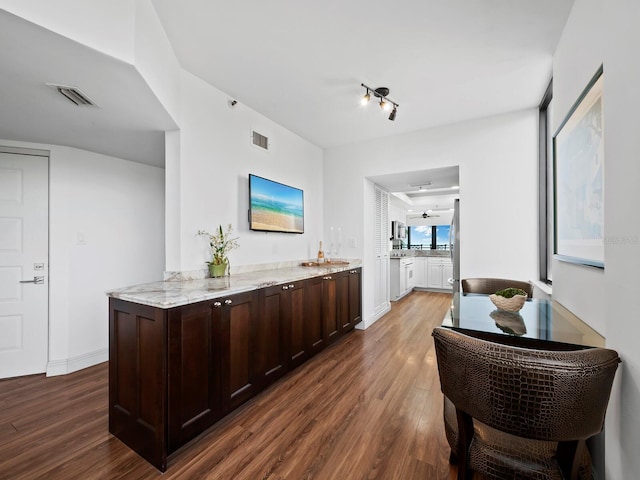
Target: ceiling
(299, 63)
(423, 190)
(129, 122)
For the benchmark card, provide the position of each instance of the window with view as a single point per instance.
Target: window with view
(429, 237)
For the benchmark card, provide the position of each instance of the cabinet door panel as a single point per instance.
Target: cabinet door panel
(420, 271)
(329, 308)
(272, 346)
(238, 318)
(239, 348)
(194, 388)
(355, 297)
(434, 276)
(298, 346)
(137, 379)
(342, 301)
(313, 318)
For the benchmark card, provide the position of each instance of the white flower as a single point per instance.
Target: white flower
(220, 243)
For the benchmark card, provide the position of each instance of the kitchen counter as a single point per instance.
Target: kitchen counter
(185, 353)
(419, 253)
(175, 293)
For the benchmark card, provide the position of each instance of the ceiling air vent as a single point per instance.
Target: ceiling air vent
(74, 95)
(259, 140)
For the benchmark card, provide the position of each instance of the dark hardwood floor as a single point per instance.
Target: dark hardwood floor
(368, 407)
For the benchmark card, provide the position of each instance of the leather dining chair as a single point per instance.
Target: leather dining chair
(488, 286)
(523, 413)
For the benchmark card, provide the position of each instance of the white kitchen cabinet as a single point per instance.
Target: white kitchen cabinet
(439, 270)
(420, 271)
(402, 277)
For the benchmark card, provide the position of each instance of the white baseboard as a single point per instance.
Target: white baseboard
(373, 318)
(70, 365)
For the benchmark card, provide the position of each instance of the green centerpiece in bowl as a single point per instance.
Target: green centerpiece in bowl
(509, 299)
(220, 243)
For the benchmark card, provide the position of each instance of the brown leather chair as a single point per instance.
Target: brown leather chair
(488, 286)
(523, 413)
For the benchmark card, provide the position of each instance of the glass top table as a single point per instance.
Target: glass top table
(539, 324)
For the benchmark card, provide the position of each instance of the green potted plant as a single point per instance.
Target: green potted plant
(220, 244)
(509, 299)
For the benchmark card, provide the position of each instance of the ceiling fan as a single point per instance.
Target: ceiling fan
(425, 214)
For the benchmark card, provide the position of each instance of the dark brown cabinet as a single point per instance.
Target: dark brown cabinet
(296, 344)
(314, 325)
(273, 332)
(138, 379)
(341, 302)
(174, 372)
(355, 299)
(330, 307)
(287, 330)
(237, 325)
(194, 363)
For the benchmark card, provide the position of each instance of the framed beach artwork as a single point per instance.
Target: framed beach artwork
(274, 206)
(578, 166)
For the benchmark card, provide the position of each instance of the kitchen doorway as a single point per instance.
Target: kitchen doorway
(420, 203)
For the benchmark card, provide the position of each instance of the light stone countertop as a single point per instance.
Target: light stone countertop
(175, 293)
(406, 253)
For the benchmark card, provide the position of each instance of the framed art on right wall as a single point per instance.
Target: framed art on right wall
(578, 167)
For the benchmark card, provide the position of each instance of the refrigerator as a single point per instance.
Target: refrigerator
(454, 246)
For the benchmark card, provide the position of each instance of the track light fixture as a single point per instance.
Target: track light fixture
(366, 98)
(385, 102)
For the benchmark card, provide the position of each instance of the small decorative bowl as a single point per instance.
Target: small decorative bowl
(513, 304)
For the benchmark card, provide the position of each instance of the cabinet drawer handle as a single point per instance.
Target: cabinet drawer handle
(217, 304)
(228, 302)
(292, 286)
(284, 287)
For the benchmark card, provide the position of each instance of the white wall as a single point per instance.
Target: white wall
(118, 206)
(622, 230)
(396, 214)
(577, 58)
(497, 157)
(155, 58)
(606, 32)
(216, 157)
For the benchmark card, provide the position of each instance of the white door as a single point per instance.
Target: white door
(24, 260)
(381, 250)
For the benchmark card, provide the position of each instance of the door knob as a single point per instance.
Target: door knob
(36, 280)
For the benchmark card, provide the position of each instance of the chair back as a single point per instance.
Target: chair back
(534, 394)
(488, 286)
